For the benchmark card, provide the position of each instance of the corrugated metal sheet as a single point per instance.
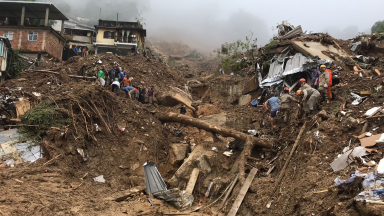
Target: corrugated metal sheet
(153, 180)
(275, 72)
(296, 64)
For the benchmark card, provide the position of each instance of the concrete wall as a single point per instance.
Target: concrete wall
(100, 36)
(47, 41)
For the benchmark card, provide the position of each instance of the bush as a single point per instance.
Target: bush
(14, 64)
(44, 116)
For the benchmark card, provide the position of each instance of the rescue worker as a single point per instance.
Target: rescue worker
(303, 84)
(325, 83)
(313, 98)
(286, 100)
(274, 103)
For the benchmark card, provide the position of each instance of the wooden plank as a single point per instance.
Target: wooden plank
(242, 193)
(192, 181)
(22, 107)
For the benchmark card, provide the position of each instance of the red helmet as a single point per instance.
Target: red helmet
(303, 80)
(286, 89)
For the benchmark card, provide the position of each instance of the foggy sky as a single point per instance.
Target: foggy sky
(209, 23)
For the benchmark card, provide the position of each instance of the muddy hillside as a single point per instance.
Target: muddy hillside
(198, 140)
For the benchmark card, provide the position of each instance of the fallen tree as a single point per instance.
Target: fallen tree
(250, 141)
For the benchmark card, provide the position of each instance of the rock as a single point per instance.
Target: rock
(323, 115)
(216, 119)
(175, 96)
(178, 153)
(352, 120)
(245, 100)
(251, 86)
(208, 109)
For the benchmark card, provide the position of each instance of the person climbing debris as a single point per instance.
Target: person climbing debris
(313, 97)
(122, 74)
(315, 75)
(183, 110)
(101, 77)
(303, 84)
(325, 83)
(274, 103)
(116, 86)
(151, 94)
(142, 93)
(286, 100)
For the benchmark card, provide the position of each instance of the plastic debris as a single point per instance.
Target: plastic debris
(36, 94)
(356, 99)
(345, 159)
(99, 179)
(215, 149)
(228, 153)
(97, 127)
(82, 153)
(380, 168)
(372, 111)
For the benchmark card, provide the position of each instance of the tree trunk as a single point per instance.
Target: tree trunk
(250, 141)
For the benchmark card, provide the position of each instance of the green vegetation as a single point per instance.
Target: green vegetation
(37, 121)
(14, 64)
(231, 54)
(378, 27)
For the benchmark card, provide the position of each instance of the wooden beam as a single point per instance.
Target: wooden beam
(242, 193)
(192, 181)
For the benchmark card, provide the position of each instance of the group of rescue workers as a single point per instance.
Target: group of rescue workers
(309, 97)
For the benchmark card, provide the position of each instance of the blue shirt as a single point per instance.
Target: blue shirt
(76, 49)
(122, 74)
(129, 88)
(274, 103)
(111, 74)
(315, 75)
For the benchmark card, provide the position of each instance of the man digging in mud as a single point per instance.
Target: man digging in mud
(313, 98)
(274, 103)
(286, 100)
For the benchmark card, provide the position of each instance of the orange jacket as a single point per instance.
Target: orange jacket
(330, 77)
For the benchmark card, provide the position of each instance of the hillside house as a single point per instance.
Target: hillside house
(119, 37)
(27, 26)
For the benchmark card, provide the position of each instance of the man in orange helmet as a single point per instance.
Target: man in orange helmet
(313, 97)
(303, 84)
(325, 82)
(286, 100)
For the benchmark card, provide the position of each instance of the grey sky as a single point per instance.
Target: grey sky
(209, 23)
(341, 18)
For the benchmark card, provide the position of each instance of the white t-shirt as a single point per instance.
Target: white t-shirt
(116, 83)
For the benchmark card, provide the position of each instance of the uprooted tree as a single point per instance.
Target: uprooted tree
(250, 141)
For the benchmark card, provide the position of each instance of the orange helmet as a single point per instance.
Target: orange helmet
(302, 80)
(286, 89)
(298, 93)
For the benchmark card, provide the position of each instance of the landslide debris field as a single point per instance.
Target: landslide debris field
(86, 131)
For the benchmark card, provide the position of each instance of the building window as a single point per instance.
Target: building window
(109, 35)
(9, 35)
(32, 36)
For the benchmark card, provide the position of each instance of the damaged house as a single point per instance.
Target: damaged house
(119, 37)
(27, 25)
(295, 53)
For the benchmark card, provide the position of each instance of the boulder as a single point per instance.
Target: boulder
(251, 86)
(178, 153)
(216, 119)
(245, 100)
(175, 96)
